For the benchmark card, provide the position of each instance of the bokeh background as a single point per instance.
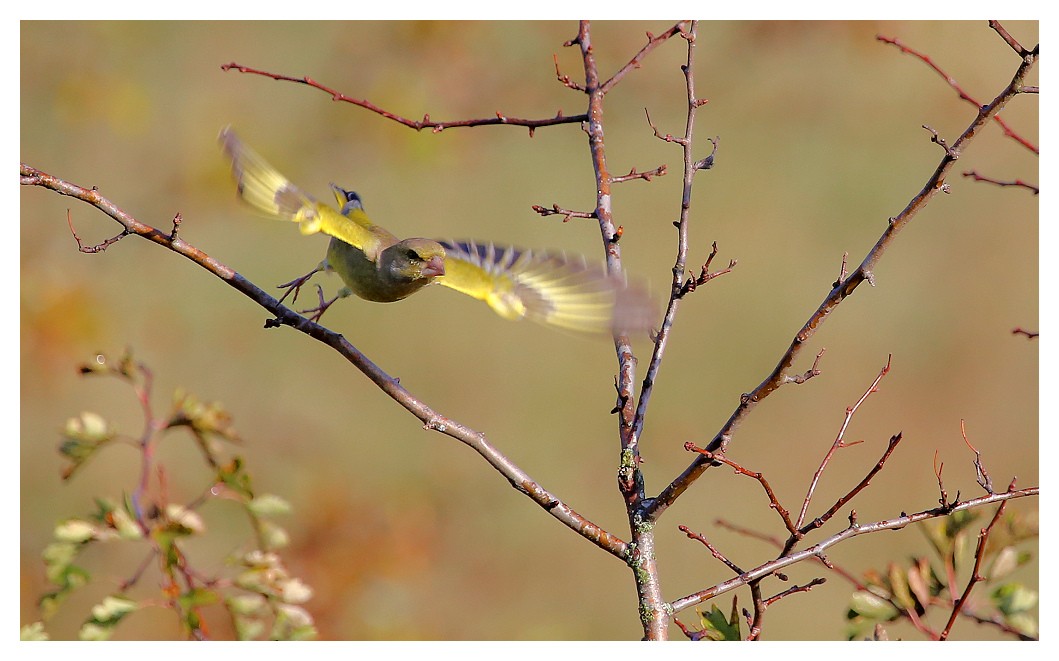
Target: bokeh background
(405, 534)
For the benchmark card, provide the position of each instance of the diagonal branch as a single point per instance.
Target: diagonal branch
(634, 63)
(430, 418)
(864, 272)
(853, 530)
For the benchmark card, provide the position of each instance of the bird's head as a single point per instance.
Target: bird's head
(415, 260)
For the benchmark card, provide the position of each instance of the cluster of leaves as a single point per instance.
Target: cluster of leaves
(927, 586)
(257, 592)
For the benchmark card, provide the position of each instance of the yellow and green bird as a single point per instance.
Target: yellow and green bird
(547, 287)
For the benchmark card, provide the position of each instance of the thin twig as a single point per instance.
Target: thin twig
(964, 96)
(976, 576)
(841, 443)
(418, 125)
(1018, 182)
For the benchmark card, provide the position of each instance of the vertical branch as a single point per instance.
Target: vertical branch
(654, 615)
(679, 266)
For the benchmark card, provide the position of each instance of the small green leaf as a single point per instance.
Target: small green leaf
(1012, 598)
(716, 627)
(899, 581)
(872, 606)
(269, 505)
(197, 597)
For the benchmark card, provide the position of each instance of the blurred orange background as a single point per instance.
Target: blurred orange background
(405, 534)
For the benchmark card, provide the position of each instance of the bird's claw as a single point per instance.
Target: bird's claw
(319, 310)
(296, 285)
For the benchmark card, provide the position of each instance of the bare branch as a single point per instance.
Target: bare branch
(1017, 182)
(418, 125)
(976, 576)
(652, 42)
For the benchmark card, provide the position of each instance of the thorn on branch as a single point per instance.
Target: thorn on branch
(563, 78)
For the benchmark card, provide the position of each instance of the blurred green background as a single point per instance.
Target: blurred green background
(405, 534)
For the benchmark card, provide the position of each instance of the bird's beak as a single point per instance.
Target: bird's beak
(434, 267)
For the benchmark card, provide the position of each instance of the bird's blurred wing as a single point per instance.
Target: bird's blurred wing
(264, 188)
(548, 288)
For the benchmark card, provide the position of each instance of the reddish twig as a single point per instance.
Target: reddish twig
(563, 78)
(652, 42)
(773, 500)
(1017, 182)
(89, 250)
(980, 472)
(1015, 45)
(841, 443)
(1022, 331)
(793, 590)
(811, 372)
(704, 274)
(976, 576)
(713, 549)
(964, 96)
(418, 125)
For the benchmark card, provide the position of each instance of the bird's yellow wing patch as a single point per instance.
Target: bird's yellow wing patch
(548, 288)
(268, 191)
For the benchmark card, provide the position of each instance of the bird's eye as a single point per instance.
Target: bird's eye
(412, 254)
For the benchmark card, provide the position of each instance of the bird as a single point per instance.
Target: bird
(548, 287)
